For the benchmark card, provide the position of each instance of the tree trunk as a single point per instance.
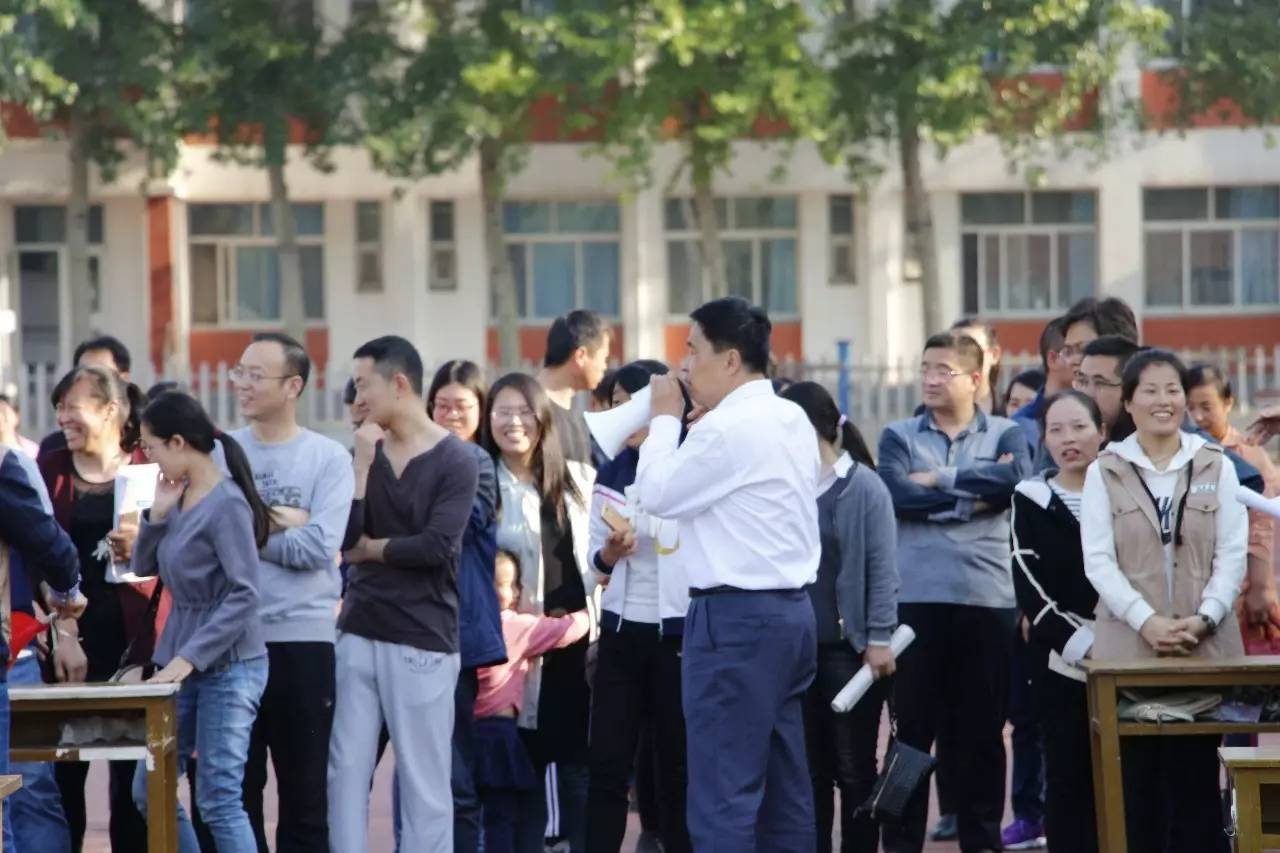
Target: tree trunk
(502, 281)
(704, 209)
(919, 256)
(78, 230)
(289, 260)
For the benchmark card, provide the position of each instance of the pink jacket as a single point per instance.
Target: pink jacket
(501, 687)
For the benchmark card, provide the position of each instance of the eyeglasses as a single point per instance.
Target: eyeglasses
(943, 373)
(463, 408)
(247, 376)
(1092, 383)
(1072, 351)
(511, 415)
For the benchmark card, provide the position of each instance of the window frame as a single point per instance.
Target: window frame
(837, 240)
(375, 246)
(1236, 227)
(436, 243)
(1025, 229)
(729, 230)
(96, 249)
(227, 282)
(526, 239)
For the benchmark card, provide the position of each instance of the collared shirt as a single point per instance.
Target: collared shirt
(744, 487)
(836, 474)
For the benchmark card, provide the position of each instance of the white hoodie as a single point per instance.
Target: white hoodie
(1098, 536)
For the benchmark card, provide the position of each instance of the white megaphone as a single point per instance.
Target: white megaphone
(612, 427)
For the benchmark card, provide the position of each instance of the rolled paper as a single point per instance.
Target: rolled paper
(1253, 500)
(862, 679)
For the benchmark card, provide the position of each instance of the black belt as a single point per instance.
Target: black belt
(694, 592)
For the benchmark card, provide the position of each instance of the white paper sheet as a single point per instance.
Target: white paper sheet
(862, 679)
(135, 491)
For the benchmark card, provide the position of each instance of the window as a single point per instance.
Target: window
(442, 269)
(1212, 247)
(1027, 252)
(47, 223)
(564, 255)
(758, 236)
(1184, 14)
(368, 247)
(843, 256)
(234, 263)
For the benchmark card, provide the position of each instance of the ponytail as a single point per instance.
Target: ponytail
(242, 474)
(131, 429)
(828, 423)
(855, 445)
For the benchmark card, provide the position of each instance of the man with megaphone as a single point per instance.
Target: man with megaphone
(743, 489)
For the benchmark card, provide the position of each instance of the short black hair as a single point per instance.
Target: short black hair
(1052, 338)
(578, 328)
(734, 323)
(1202, 374)
(1147, 358)
(119, 352)
(634, 377)
(1110, 316)
(1114, 346)
(296, 360)
(1090, 406)
(963, 345)
(603, 392)
(392, 354)
(164, 386)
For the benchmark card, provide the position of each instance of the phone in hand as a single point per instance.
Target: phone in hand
(617, 523)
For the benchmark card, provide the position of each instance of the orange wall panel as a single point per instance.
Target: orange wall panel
(533, 344)
(1161, 101)
(159, 279)
(1224, 330)
(226, 345)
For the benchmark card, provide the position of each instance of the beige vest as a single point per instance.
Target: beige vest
(1141, 555)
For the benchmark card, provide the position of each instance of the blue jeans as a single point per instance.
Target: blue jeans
(33, 818)
(216, 710)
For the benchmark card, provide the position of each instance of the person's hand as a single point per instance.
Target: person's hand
(1265, 426)
(928, 479)
(364, 551)
(174, 672)
(618, 546)
(366, 444)
(667, 398)
(1170, 636)
(122, 539)
(695, 415)
(168, 493)
(286, 517)
(70, 665)
(1005, 458)
(73, 608)
(1258, 601)
(1025, 624)
(881, 661)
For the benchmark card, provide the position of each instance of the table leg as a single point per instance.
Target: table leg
(1248, 813)
(162, 778)
(1108, 787)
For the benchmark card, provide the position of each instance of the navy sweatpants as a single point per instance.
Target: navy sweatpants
(749, 657)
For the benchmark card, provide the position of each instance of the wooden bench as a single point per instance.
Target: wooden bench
(9, 784)
(1255, 782)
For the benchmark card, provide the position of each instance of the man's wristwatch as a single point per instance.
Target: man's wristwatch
(62, 599)
(1210, 625)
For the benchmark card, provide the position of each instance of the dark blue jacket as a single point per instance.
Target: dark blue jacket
(479, 622)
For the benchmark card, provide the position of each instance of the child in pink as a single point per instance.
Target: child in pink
(504, 774)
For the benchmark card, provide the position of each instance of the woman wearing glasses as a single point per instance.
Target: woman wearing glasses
(543, 521)
(1164, 545)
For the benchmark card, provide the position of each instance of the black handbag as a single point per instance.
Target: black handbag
(906, 770)
(136, 673)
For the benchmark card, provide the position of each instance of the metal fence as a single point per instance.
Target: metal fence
(871, 391)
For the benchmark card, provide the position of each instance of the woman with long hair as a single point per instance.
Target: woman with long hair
(1164, 545)
(543, 522)
(1049, 580)
(97, 413)
(202, 535)
(455, 400)
(855, 602)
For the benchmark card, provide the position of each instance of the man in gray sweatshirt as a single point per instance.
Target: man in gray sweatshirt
(307, 479)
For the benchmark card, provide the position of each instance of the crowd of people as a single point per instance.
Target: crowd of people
(543, 628)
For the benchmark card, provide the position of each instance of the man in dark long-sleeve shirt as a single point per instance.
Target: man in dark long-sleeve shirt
(397, 652)
(951, 472)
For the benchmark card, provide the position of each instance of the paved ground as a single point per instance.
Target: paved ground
(380, 834)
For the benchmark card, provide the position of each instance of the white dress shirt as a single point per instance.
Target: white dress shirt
(744, 487)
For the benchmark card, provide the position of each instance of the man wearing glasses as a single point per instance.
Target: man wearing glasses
(951, 471)
(1099, 376)
(307, 480)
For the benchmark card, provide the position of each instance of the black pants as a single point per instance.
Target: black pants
(293, 723)
(1027, 783)
(842, 750)
(956, 673)
(127, 827)
(466, 802)
(637, 680)
(1063, 705)
(1172, 803)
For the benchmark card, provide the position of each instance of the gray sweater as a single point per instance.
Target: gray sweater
(855, 596)
(299, 583)
(208, 560)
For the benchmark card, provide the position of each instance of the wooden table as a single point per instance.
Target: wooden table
(38, 714)
(1255, 780)
(1107, 678)
(9, 784)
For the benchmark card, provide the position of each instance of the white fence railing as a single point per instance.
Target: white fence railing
(874, 392)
